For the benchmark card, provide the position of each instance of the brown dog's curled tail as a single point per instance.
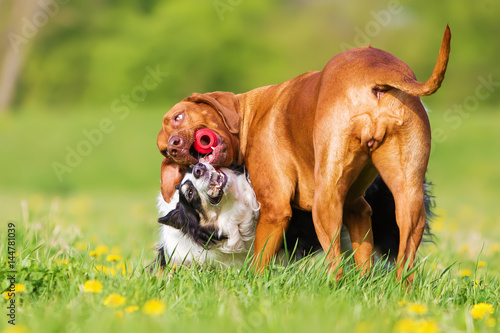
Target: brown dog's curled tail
(411, 86)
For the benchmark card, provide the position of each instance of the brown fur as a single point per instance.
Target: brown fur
(316, 142)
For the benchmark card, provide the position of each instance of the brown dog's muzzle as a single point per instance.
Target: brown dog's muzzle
(179, 146)
(175, 146)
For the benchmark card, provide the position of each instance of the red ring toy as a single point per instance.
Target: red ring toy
(204, 140)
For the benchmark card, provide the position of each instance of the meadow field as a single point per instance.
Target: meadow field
(83, 89)
(83, 242)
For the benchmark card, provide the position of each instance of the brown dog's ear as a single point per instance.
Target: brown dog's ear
(171, 175)
(223, 102)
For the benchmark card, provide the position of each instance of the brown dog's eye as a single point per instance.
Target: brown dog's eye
(179, 117)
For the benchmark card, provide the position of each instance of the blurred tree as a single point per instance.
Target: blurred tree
(17, 29)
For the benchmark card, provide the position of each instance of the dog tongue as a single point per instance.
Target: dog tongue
(214, 155)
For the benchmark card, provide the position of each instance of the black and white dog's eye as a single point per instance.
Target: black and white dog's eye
(189, 193)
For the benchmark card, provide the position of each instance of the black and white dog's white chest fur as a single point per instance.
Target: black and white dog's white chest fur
(212, 216)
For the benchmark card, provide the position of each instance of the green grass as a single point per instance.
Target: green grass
(110, 200)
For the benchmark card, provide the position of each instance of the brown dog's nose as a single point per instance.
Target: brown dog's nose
(174, 145)
(198, 170)
(175, 141)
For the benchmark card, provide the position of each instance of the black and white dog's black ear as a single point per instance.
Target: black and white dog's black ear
(188, 221)
(174, 218)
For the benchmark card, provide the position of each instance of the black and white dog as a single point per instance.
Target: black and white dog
(213, 215)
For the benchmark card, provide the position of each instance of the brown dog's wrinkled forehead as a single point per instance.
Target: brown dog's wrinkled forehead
(186, 114)
(201, 107)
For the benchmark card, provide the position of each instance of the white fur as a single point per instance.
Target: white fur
(235, 216)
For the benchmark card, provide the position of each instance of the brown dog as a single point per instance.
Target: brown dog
(316, 142)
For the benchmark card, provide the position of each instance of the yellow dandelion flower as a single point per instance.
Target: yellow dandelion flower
(19, 288)
(441, 216)
(402, 303)
(491, 322)
(153, 307)
(438, 225)
(113, 257)
(417, 309)
(428, 326)
(405, 325)
(93, 254)
(16, 329)
(465, 272)
(480, 310)
(131, 308)
(410, 325)
(464, 249)
(92, 286)
(80, 246)
(114, 300)
(362, 327)
(79, 205)
(101, 249)
(62, 261)
(105, 270)
(36, 202)
(123, 268)
(494, 248)
(8, 294)
(481, 264)
(119, 314)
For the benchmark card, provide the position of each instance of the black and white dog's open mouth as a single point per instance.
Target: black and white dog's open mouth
(217, 186)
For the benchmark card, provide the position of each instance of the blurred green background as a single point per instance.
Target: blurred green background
(94, 78)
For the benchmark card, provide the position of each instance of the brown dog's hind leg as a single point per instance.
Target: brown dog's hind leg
(410, 217)
(403, 170)
(357, 218)
(336, 169)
